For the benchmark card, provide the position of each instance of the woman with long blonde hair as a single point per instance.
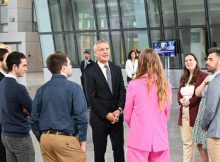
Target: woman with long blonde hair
(147, 109)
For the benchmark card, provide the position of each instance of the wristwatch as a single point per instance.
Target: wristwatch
(121, 110)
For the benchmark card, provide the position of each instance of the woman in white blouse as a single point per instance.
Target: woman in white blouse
(131, 66)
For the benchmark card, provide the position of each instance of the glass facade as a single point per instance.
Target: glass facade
(71, 26)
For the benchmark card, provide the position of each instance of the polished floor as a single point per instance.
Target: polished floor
(34, 80)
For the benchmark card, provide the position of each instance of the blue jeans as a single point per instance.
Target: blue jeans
(19, 149)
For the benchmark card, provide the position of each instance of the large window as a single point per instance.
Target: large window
(55, 14)
(194, 41)
(71, 49)
(113, 14)
(215, 41)
(83, 14)
(132, 13)
(47, 46)
(67, 15)
(214, 11)
(190, 12)
(136, 40)
(118, 50)
(101, 14)
(43, 17)
(168, 13)
(74, 25)
(154, 13)
(59, 42)
(86, 41)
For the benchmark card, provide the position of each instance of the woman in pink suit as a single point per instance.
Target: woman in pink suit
(147, 110)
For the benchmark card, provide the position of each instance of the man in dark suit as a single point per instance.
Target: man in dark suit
(105, 91)
(85, 64)
(3, 71)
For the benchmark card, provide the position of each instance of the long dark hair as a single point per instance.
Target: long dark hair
(186, 74)
(129, 54)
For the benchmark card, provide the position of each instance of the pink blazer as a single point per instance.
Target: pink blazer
(148, 130)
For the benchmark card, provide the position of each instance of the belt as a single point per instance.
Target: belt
(58, 133)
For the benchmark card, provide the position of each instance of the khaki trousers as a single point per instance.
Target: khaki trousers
(214, 149)
(186, 132)
(60, 148)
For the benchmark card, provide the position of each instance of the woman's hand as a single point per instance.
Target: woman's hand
(185, 102)
(208, 79)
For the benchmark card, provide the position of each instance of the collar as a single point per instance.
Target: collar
(87, 61)
(11, 76)
(3, 72)
(59, 76)
(101, 65)
(216, 73)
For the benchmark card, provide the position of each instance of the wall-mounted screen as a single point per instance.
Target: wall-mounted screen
(165, 48)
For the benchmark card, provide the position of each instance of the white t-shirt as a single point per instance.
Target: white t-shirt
(187, 91)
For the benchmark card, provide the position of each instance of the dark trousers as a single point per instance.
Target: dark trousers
(100, 134)
(19, 149)
(2, 152)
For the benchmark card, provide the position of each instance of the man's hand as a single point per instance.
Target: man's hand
(117, 113)
(112, 118)
(83, 146)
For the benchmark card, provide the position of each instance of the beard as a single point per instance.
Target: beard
(211, 70)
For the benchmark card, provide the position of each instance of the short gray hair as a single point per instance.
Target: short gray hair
(98, 42)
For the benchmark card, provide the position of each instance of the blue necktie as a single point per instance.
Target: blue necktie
(109, 77)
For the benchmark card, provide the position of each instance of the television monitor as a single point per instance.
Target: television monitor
(165, 48)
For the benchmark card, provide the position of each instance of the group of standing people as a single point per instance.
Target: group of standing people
(58, 113)
(148, 98)
(199, 111)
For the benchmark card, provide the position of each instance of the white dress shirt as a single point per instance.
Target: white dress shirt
(102, 66)
(131, 68)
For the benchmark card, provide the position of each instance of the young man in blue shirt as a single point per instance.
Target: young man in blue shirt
(15, 105)
(59, 116)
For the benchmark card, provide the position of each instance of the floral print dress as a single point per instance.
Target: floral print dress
(200, 136)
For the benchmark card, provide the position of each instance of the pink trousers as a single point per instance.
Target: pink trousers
(134, 155)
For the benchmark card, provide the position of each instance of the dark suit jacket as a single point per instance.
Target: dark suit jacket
(88, 65)
(1, 76)
(194, 101)
(98, 93)
(84, 69)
